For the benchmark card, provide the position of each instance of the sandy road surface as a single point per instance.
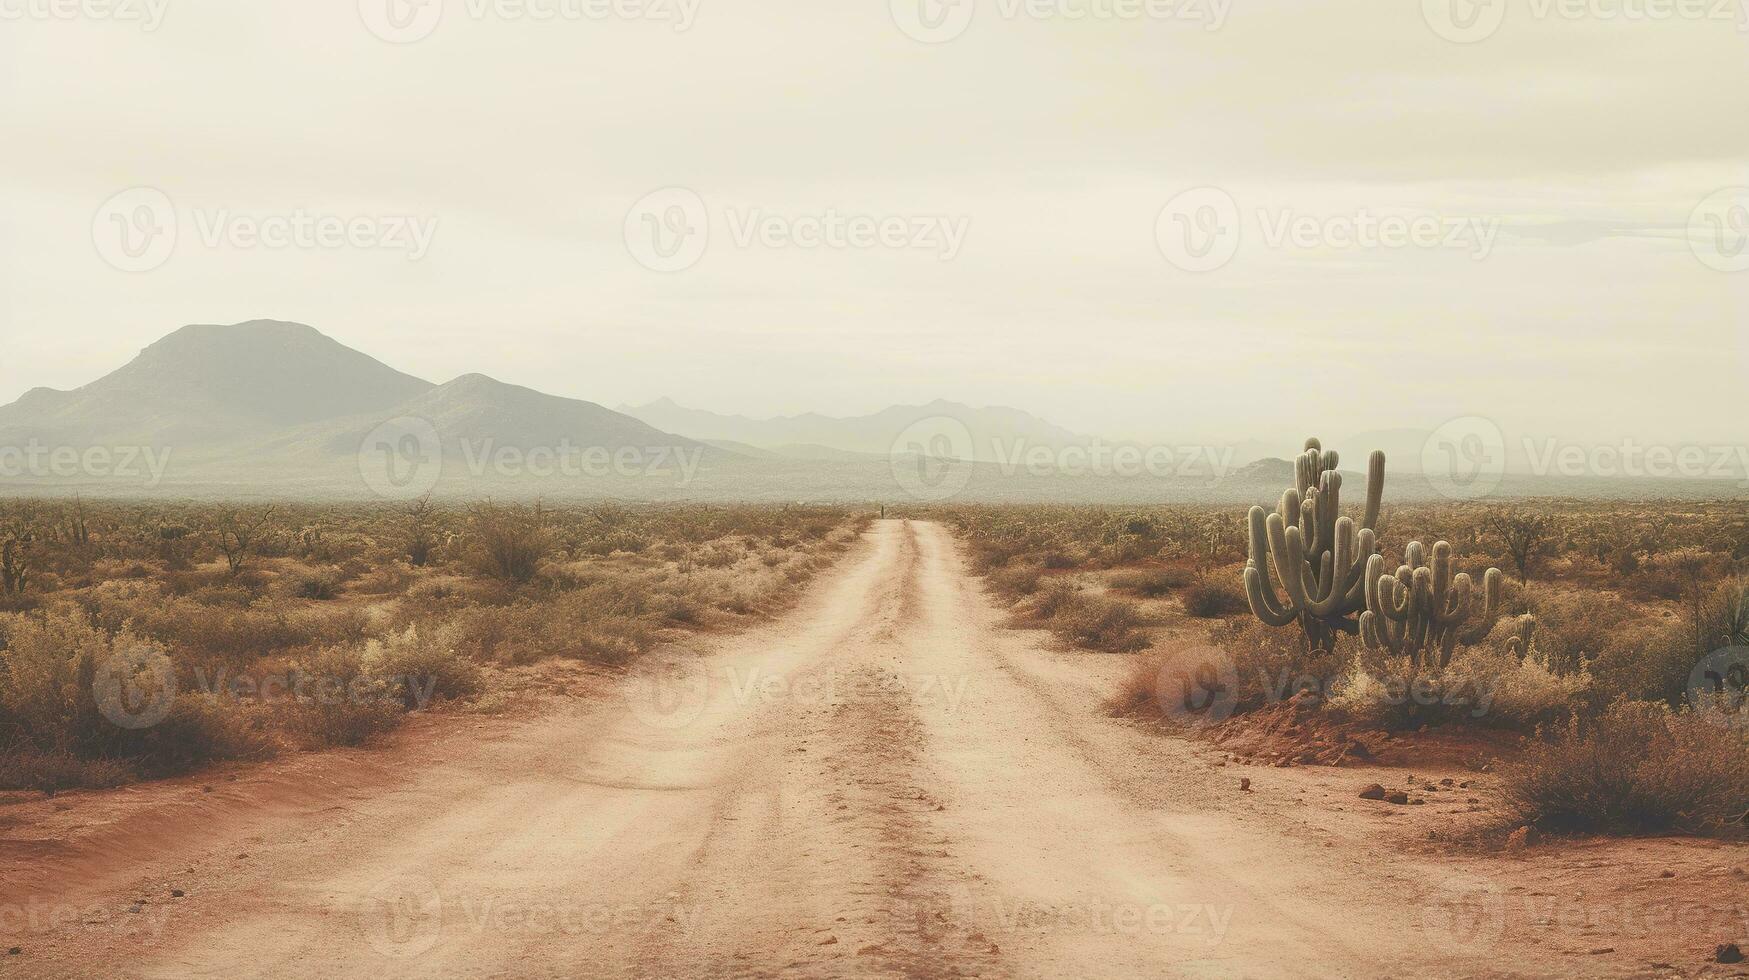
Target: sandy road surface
(883, 783)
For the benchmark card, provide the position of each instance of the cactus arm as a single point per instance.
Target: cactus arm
(1441, 573)
(1290, 562)
(1454, 609)
(1491, 588)
(1373, 580)
(1336, 586)
(1264, 603)
(1375, 491)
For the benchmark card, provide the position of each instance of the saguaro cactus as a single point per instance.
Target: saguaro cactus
(1319, 556)
(1420, 611)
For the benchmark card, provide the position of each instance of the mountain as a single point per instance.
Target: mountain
(483, 412)
(994, 433)
(207, 382)
(274, 409)
(1267, 472)
(267, 404)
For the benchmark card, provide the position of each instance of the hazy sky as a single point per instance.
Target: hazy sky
(1564, 154)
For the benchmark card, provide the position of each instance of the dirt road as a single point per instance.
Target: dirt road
(884, 782)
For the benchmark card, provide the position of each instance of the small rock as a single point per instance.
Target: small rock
(1666, 873)
(1417, 801)
(1599, 951)
(1244, 784)
(829, 941)
(206, 789)
(1448, 781)
(1726, 953)
(1373, 792)
(177, 893)
(1359, 750)
(1400, 798)
(14, 950)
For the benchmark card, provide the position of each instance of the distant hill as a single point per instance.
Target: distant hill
(993, 432)
(268, 408)
(1270, 472)
(266, 403)
(206, 382)
(478, 409)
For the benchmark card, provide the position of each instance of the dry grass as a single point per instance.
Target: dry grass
(1627, 599)
(330, 628)
(1209, 599)
(1152, 583)
(1638, 768)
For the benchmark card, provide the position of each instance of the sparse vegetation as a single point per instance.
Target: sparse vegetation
(1626, 601)
(1210, 599)
(282, 628)
(1637, 768)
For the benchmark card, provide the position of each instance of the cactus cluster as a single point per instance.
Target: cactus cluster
(1421, 611)
(1334, 580)
(1320, 557)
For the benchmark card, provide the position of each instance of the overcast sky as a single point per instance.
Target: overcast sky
(1560, 156)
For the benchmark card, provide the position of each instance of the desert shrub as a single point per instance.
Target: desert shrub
(1646, 662)
(1100, 623)
(46, 692)
(205, 620)
(1575, 626)
(1057, 560)
(201, 729)
(422, 665)
(508, 542)
(23, 768)
(1655, 583)
(1483, 685)
(1209, 599)
(343, 701)
(1520, 692)
(1093, 622)
(1152, 582)
(504, 634)
(214, 638)
(318, 584)
(65, 680)
(1015, 580)
(1725, 617)
(1639, 768)
(1050, 599)
(615, 641)
(389, 579)
(1244, 666)
(1269, 665)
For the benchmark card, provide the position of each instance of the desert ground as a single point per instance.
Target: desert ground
(882, 780)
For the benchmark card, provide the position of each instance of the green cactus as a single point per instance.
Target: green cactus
(1320, 557)
(1421, 611)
